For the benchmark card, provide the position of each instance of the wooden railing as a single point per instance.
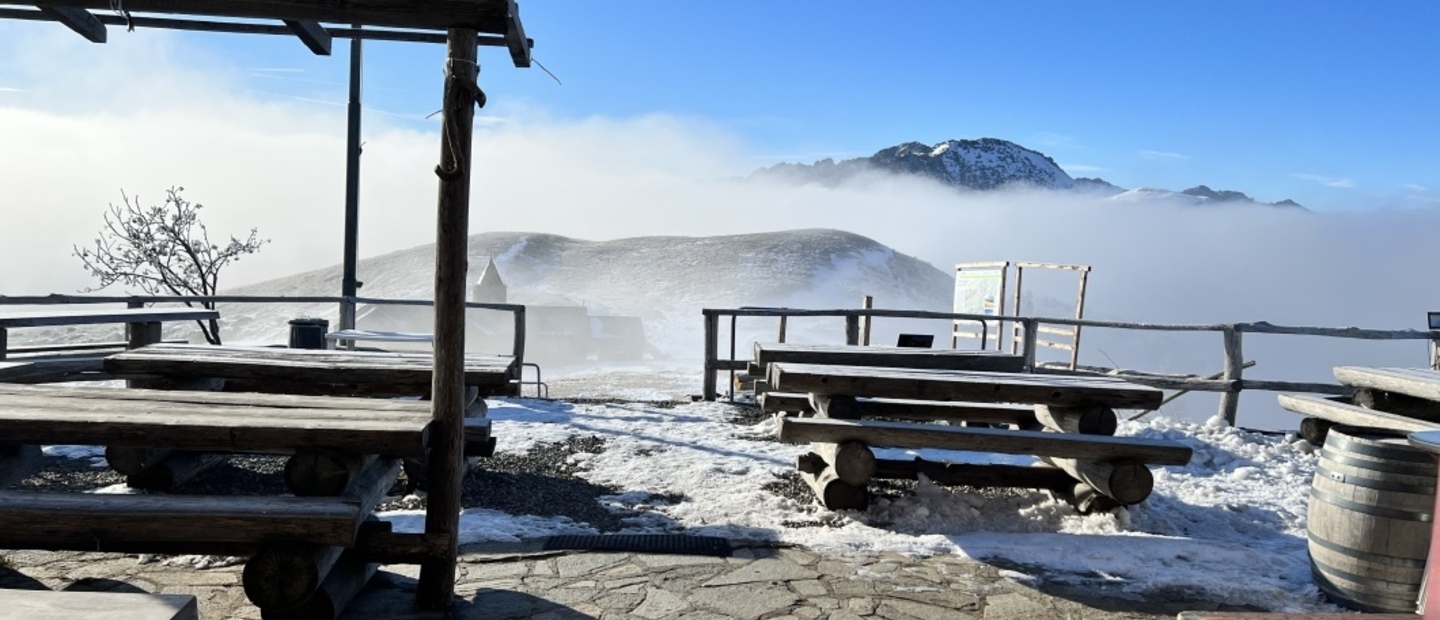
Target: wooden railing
(134, 301)
(1230, 383)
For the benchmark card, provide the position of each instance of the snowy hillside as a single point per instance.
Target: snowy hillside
(664, 280)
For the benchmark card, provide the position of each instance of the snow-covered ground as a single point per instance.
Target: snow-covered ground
(1229, 527)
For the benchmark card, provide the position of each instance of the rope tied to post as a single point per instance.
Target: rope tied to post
(460, 89)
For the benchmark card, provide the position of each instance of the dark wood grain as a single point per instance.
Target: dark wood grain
(67, 316)
(888, 357)
(956, 385)
(906, 435)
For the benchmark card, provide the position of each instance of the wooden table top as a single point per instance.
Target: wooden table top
(1417, 382)
(224, 422)
(890, 357)
(323, 366)
(960, 385)
(92, 316)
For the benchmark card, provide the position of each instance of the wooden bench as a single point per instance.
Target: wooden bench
(308, 371)
(1022, 416)
(72, 605)
(969, 386)
(1337, 412)
(889, 357)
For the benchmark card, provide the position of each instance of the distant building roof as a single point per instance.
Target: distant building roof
(490, 276)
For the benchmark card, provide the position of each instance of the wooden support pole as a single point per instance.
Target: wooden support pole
(518, 349)
(1126, 481)
(1085, 499)
(1085, 420)
(1314, 430)
(852, 329)
(1031, 329)
(4, 342)
(839, 407)
(436, 588)
(282, 576)
(131, 461)
(852, 461)
(833, 493)
(312, 34)
(318, 473)
(867, 303)
(712, 352)
(17, 462)
(1234, 369)
(164, 475)
(782, 329)
(1079, 315)
(347, 578)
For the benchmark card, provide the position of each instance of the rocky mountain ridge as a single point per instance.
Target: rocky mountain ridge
(990, 164)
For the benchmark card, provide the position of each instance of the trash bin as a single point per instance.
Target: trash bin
(308, 333)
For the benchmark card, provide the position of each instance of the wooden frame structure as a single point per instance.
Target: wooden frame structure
(1005, 292)
(463, 25)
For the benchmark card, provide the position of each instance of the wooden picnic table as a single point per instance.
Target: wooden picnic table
(308, 371)
(889, 357)
(142, 324)
(1414, 382)
(1084, 462)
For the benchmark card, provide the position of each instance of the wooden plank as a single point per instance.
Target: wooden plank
(907, 435)
(1351, 415)
(371, 406)
(67, 316)
(312, 34)
(79, 605)
(488, 16)
(976, 475)
(953, 385)
(1417, 382)
(390, 368)
(515, 38)
(34, 520)
(46, 417)
(79, 20)
(1022, 416)
(889, 357)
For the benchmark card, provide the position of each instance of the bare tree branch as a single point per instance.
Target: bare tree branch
(163, 249)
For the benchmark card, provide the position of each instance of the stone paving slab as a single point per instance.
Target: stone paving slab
(517, 581)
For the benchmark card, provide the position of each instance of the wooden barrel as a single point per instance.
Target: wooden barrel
(1369, 519)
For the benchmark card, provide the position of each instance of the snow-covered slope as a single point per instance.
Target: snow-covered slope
(664, 280)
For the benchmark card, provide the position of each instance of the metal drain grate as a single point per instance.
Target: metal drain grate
(643, 543)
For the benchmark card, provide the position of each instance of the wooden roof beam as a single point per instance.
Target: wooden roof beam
(484, 16)
(79, 20)
(312, 34)
(515, 36)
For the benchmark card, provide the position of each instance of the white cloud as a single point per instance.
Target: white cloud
(1416, 187)
(7, 89)
(1336, 182)
(1161, 155)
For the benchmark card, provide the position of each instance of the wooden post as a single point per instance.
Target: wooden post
(1079, 315)
(852, 329)
(436, 587)
(712, 346)
(782, 329)
(5, 342)
(1234, 369)
(519, 347)
(1019, 281)
(730, 390)
(1031, 329)
(867, 303)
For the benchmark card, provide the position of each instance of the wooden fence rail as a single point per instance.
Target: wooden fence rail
(1230, 384)
(135, 301)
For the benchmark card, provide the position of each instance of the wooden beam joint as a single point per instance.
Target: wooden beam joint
(312, 34)
(79, 20)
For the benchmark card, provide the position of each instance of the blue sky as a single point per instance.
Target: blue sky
(1329, 103)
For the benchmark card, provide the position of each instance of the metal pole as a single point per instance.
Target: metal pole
(348, 283)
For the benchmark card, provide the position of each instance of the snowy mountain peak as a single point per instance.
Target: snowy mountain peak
(983, 164)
